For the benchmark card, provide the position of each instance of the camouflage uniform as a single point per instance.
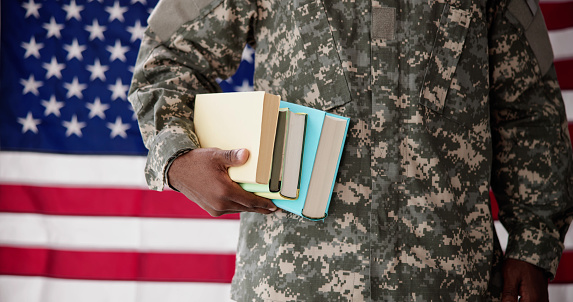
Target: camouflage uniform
(447, 99)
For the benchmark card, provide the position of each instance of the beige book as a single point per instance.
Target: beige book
(325, 166)
(240, 120)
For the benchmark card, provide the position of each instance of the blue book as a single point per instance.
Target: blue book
(325, 135)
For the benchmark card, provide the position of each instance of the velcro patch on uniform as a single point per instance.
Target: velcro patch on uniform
(168, 16)
(383, 22)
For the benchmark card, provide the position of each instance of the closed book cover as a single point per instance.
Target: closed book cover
(240, 120)
(295, 123)
(314, 123)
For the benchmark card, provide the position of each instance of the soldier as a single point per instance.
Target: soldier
(447, 99)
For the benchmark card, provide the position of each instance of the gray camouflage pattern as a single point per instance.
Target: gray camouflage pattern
(453, 104)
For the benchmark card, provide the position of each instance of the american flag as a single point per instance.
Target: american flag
(76, 220)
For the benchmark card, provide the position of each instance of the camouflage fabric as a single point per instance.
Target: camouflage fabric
(447, 99)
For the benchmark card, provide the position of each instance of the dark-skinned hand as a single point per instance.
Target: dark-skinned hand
(523, 279)
(201, 175)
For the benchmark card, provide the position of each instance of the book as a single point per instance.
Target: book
(332, 133)
(291, 165)
(325, 167)
(237, 120)
(279, 151)
(293, 155)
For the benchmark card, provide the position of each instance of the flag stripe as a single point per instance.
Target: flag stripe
(562, 43)
(568, 99)
(72, 170)
(119, 233)
(564, 69)
(557, 15)
(565, 270)
(36, 289)
(100, 202)
(106, 265)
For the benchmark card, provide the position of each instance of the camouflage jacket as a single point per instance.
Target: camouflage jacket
(447, 99)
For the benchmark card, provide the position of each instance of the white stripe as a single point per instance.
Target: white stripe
(568, 99)
(560, 292)
(503, 237)
(119, 233)
(72, 170)
(40, 289)
(562, 43)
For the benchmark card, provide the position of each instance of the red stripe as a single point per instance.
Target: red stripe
(99, 202)
(126, 266)
(564, 69)
(130, 266)
(565, 270)
(557, 15)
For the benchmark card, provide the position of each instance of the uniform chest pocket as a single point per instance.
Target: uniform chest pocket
(446, 52)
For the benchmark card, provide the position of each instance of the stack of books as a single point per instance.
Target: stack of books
(294, 150)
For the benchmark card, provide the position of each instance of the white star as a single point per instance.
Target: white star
(75, 89)
(31, 85)
(73, 126)
(116, 12)
(144, 2)
(248, 54)
(53, 29)
(97, 109)
(96, 30)
(52, 106)
(244, 87)
(136, 31)
(118, 90)
(29, 123)
(117, 51)
(32, 9)
(54, 69)
(97, 70)
(118, 128)
(73, 10)
(32, 48)
(74, 50)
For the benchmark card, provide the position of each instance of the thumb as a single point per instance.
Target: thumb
(233, 158)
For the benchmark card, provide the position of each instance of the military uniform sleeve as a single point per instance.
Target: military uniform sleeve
(188, 44)
(532, 169)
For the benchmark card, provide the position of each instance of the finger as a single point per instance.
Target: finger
(509, 296)
(511, 284)
(232, 158)
(250, 200)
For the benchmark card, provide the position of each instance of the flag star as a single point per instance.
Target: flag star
(32, 9)
(53, 28)
(73, 10)
(118, 90)
(116, 12)
(29, 123)
(144, 2)
(118, 128)
(31, 85)
(96, 30)
(136, 31)
(32, 48)
(97, 70)
(248, 54)
(74, 50)
(52, 106)
(73, 126)
(117, 51)
(75, 88)
(54, 69)
(244, 87)
(97, 109)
